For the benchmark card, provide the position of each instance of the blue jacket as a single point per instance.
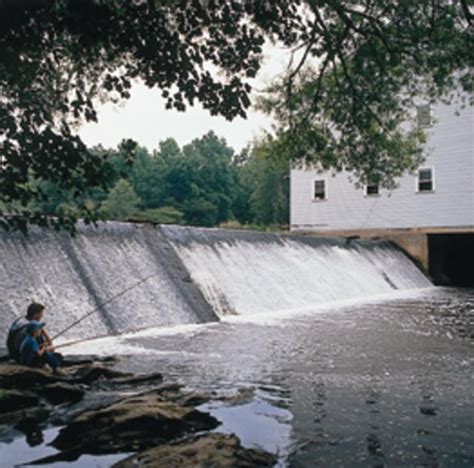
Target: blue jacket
(28, 350)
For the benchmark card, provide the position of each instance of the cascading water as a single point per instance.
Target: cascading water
(185, 275)
(75, 275)
(247, 273)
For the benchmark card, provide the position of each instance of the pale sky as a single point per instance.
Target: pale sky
(144, 118)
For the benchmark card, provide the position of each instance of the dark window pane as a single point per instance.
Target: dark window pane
(425, 174)
(319, 189)
(372, 189)
(425, 186)
(425, 180)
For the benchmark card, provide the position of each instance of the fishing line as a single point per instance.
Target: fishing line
(95, 309)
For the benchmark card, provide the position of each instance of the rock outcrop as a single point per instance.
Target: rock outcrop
(62, 392)
(13, 400)
(208, 450)
(163, 423)
(136, 423)
(14, 376)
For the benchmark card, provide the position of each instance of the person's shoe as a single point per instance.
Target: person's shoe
(59, 371)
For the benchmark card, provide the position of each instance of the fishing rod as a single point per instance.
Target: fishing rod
(95, 309)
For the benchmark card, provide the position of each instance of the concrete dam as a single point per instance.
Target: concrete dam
(140, 276)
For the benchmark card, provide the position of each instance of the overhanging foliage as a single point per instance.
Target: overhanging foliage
(57, 58)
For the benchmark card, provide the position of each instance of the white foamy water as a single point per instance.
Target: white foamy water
(134, 277)
(90, 273)
(245, 276)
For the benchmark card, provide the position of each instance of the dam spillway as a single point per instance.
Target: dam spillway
(244, 272)
(178, 275)
(72, 276)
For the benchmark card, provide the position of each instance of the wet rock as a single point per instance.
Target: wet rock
(137, 379)
(209, 450)
(81, 360)
(25, 417)
(428, 410)
(175, 393)
(136, 423)
(170, 390)
(13, 400)
(92, 373)
(243, 395)
(64, 414)
(62, 392)
(33, 435)
(22, 377)
(194, 399)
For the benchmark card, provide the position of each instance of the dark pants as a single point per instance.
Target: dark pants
(52, 359)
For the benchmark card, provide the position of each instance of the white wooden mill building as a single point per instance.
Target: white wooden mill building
(430, 214)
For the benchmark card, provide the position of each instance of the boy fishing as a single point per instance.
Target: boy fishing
(21, 334)
(34, 354)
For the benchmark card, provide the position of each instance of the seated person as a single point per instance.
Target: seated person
(17, 332)
(34, 354)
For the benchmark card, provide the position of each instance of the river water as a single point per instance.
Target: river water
(382, 383)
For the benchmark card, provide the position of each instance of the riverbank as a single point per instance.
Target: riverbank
(101, 410)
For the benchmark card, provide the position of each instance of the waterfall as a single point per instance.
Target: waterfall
(247, 273)
(72, 276)
(177, 275)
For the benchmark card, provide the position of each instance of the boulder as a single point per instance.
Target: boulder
(62, 392)
(88, 374)
(137, 379)
(208, 450)
(174, 392)
(80, 360)
(25, 417)
(13, 400)
(23, 377)
(136, 423)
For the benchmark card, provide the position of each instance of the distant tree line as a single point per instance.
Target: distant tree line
(204, 183)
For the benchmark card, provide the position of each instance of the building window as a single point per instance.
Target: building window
(319, 189)
(425, 180)
(371, 190)
(424, 115)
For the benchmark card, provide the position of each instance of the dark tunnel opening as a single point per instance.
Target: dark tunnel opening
(451, 259)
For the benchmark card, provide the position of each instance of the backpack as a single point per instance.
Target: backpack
(16, 335)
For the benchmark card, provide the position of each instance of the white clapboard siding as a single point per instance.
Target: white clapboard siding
(451, 204)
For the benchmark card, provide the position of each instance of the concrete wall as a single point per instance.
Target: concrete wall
(451, 204)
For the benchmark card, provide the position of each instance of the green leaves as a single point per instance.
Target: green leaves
(369, 60)
(58, 58)
(122, 201)
(354, 108)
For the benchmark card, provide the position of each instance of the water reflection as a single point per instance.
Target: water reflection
(34, 437)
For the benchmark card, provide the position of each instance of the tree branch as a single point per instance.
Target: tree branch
(467, 13)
